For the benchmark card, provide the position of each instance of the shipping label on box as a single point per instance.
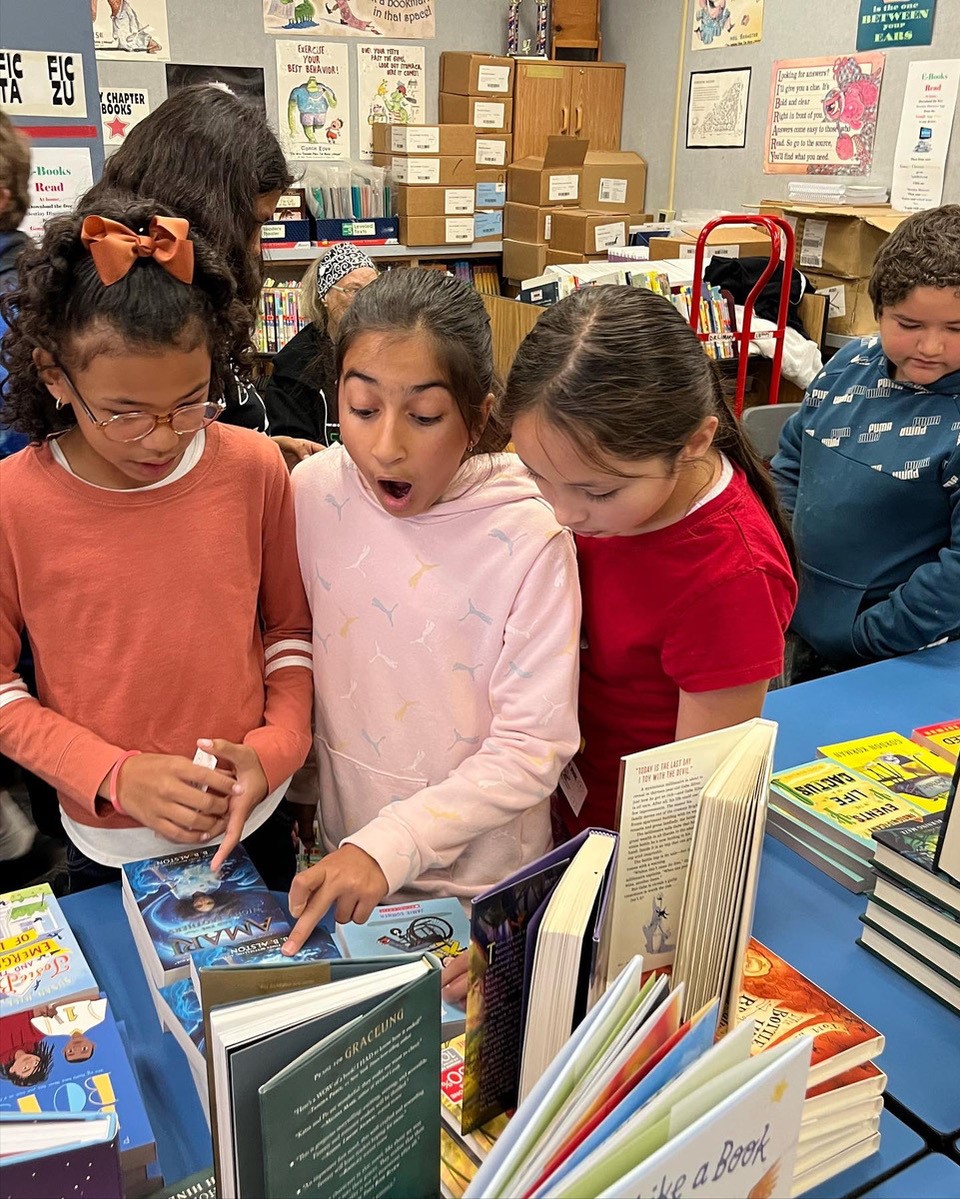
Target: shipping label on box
(416, 170)
(493, 79)
(460, 229)
(489, 114)
(563, 187)
(488, 224)
(836, 300)
(547, 225)
(612, 234)
(612, 191)
(458, 200)
(812, 242)
(422, 139)
(491, 195)
(491, 152)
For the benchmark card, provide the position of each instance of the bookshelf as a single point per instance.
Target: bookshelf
(391, 253)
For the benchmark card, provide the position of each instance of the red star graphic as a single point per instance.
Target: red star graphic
(117, 127)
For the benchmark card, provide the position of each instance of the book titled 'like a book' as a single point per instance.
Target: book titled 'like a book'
(40, 960)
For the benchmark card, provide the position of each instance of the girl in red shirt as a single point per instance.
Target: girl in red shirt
(686, 563)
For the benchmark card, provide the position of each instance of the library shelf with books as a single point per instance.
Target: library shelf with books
(407, 255)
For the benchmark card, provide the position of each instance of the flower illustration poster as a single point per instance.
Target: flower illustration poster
(823, 115)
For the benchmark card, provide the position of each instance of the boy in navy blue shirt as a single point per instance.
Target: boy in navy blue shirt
(870, 465)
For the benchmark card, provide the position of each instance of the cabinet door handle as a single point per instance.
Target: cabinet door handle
(564, 118)
(579, 124)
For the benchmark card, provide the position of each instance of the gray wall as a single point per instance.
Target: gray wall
(645, 34)
(230, 33)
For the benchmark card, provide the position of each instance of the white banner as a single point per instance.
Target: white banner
(313, 98)
(926, 122)
(42, 83)
(390, 89)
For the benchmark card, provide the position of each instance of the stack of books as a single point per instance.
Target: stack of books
(836, 191)
(278, 318)
(62, 1050)
(830, 811)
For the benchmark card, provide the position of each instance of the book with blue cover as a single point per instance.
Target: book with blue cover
(70, 1055)
(177, 905)
(40, 960)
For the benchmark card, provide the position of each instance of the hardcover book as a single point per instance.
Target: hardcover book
(60, 1153)
(40, 960)
(177, 905)
(906, 853)
(942, 739)
(785, 1005)
(900, 765)
(892, 951)
(947, 856)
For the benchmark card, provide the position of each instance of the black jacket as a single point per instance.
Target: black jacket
(301, 393)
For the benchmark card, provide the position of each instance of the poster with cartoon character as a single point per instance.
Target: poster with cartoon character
(406, 19)
(313, 98)
(823, 115)
(718, 24)
(389, 89)
(130, 29)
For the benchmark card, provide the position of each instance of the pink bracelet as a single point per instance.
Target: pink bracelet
(114, 773)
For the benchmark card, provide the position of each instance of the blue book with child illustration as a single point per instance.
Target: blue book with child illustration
(40, 960)
(70, 1057)
(177, 905)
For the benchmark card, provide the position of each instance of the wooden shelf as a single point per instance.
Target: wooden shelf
(477, 249)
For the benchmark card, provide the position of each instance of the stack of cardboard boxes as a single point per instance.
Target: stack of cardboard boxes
(835, 249)
(435, 177)
(570, 205)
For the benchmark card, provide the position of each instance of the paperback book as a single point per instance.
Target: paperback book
(942, 739)
(900, 765)
(850, 870)
(40, 960)
(60, 1153)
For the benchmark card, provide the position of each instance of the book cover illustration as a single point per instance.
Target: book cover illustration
(848, 799)
(942, 739)
(185, 906)
(184, 1004)
(476, 1144)
(915, 842)
(63, 1153)
(898, 764)
(70, 1056)
(786, 1005)
(856, 1076)
(40, 959)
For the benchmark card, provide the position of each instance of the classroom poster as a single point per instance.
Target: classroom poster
(895, 23)
(130, 29)
(717, 109)
(389, 89)
(313, 97)
(926, 123)
(246, 83)
(718, 24)
(58, 178)
(42, 83)
(405, 19)
(120, 110)
(823, 115)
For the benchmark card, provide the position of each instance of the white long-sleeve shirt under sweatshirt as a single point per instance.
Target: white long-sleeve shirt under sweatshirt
(446, 653)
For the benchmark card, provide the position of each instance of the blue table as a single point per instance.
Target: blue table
(813, 922)
(899, 1146)
(933, 1177)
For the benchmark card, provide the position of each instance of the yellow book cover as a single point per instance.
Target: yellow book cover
(843, 797)
(942, 739)
(898, 764)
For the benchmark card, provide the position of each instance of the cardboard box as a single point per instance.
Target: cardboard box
(466, 74)
(562, 257)
(851, 310)
(493, 149)
(491, 188)
(444, 170)
(838, 240)
(553, 179)
(523, 260)
(580, 232)
(437, 230)
(423, 139)
(731, 241)
(613, 181)
(523, 222)
(482, 112)
(435, 201)
(488, 224)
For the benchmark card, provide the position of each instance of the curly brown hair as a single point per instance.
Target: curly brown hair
(924, 251)
(61, 296)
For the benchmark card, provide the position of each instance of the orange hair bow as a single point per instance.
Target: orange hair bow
(115, 248)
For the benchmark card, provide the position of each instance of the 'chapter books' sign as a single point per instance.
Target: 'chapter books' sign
(823, 115)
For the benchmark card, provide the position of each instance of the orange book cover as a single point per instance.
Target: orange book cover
(786, 1004)
(848, 1078)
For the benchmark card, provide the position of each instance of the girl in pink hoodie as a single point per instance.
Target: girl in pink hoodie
(446, 616)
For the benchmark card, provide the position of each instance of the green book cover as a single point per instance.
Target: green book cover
(358, 1113)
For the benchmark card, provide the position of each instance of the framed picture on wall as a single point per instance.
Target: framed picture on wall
(717, 109)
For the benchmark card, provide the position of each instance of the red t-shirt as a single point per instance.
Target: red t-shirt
(700, 605)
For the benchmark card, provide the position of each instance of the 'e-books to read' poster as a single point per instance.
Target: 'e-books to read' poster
(130, 29)
(313, 98)
(405, 19)
(59, 175)
(926, 124)
(390, 89)
(823, 115)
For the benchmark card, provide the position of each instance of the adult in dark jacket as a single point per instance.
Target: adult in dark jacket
(301, 394)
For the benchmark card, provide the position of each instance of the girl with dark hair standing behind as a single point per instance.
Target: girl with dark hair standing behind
(445, 615)
(685, 559)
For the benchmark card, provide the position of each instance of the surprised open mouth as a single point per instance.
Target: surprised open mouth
(394, 494)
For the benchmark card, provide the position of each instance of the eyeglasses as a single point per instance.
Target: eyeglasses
(135, 426)
(353, 290)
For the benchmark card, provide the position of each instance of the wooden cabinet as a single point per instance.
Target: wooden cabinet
(581, 98)
(574, 25)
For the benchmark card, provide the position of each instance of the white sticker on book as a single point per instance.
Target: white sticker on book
(613, 234)
(487, 115)
(547, 226)
(416, 170)
(811, 245)
(564, 187)
(458, 200)
(836, 298)
(459, 229)
(573, 787)
(493, 79)
(416, 141)
(613, 191)
(491, 153)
